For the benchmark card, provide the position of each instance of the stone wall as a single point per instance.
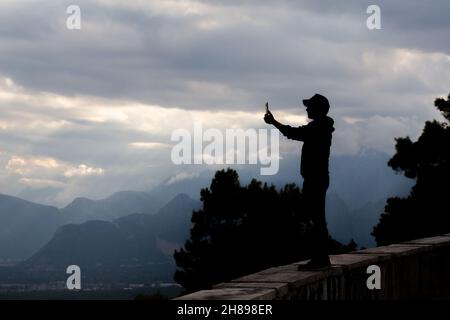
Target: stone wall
(408, 270)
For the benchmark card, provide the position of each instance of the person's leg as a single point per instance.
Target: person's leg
(320, 224)
(314, 201)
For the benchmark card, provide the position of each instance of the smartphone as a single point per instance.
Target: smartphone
(267, 107)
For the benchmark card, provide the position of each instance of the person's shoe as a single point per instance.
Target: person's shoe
(315, 263)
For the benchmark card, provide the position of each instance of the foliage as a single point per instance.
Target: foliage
(243, 229)
(425, 212)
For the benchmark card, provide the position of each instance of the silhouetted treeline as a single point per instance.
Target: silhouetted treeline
(244, 229)
(426, 211)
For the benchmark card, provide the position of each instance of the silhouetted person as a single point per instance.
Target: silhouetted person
(316, 136)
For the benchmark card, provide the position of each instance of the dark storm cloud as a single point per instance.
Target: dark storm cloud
(272, 49)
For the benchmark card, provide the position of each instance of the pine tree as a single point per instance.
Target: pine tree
(426, 211)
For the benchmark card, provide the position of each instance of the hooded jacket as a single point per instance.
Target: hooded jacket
(316, 136)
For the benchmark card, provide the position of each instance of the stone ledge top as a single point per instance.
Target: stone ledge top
(280, 288)
(433, 241)
(294, 279)
(231, 294)
(395, 250)
(352, 260)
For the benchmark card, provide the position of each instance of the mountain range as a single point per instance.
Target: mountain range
(25, 226)
(133, 239)
(115, 206)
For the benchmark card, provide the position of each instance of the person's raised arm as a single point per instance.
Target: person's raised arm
(269, 118)
(288, 131)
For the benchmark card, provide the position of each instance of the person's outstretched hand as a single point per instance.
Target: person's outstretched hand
(268, 118)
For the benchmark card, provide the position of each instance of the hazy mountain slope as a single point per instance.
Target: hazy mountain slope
(174, 219)
(339, 219)
(25, 227)
(345, 224)
(96, 243)
(131, 240)
(365, 177)
(117, 205)
(366, 217)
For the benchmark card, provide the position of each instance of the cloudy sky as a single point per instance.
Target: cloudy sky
(89, 112)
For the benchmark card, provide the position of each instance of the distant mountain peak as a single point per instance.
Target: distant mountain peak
(181, 196)
(117, 205)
